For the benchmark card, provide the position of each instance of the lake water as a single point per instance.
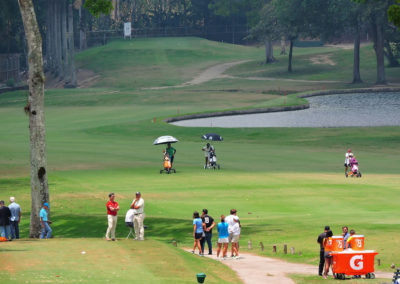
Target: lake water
(344, 110)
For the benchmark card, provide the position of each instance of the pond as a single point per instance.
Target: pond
(342, 110)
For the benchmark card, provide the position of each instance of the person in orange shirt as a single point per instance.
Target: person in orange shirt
(328, 244)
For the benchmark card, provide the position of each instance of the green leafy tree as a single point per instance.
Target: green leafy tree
(98, 7)
(394, 13)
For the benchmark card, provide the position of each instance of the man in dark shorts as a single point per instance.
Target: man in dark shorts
(322, 250)
(171, 152)
(209, 222)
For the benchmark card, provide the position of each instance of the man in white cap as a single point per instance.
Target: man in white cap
(138, 216)
(15, 218)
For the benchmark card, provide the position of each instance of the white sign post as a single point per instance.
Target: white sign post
(127, 30)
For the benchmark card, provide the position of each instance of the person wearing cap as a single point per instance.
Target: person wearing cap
(209, 225)
(348, 156)
(5, 215)
(15, 218)
(320, 240)
(44, 222)
(138, 216)
(112, 218)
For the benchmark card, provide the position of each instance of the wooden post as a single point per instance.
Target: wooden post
(292, 250)
(299, 252)
(274, 249)
(249, 244)
(262, 246)
(285, 248)
(174, 243)
(379, 261)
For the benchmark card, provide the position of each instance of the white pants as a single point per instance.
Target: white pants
(112, 225)
(138, 224)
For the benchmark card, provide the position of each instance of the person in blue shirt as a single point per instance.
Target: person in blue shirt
(198, 232)
(223, 237)
(345, 235)
(44, 221)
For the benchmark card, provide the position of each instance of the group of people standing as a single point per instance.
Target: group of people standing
(10, 217)
(228, 232)
(325, 242)
(134, 216)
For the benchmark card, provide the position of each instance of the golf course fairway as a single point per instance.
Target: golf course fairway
(286, 184)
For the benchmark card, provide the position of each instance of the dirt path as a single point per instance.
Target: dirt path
(216, 72)
(254, 269)
(209, 74)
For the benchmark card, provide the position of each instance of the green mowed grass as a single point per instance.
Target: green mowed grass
(124, 261)
(286, 183)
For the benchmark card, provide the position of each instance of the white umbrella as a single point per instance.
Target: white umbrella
(165, 140)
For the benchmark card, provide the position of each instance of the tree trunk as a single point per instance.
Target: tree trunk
(283, 46)
(82, 33)
(380, 58)
(389, 55)
(49, 28)
(57, 39)
(290, 56)
(71, 46)
(64, 39)
(269, 52)
(35, 107)
(356, 61)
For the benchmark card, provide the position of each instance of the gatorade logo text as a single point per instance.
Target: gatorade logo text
(356, 262)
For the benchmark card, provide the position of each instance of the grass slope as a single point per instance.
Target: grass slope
(62, 261)
(286, 183)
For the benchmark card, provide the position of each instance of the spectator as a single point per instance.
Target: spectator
(223, 237)
(138, 216)
(352, 233)
(112, 210)
(209, 225)
(45, 222)
(15, 218)
(320, 240)
(345, 235)
(232, 220)
(328, 243)
(5, 215)
(198, 231)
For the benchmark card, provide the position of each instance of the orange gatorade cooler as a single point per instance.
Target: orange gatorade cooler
(357, 242)
(350, 262)
(337, 243)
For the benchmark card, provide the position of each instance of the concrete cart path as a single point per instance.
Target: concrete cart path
(254, 269)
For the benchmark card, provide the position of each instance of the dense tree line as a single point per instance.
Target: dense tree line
(327, 20)
(67, 25)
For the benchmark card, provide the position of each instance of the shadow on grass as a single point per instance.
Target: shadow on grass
(163, 229)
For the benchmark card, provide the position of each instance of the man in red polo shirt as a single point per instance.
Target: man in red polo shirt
(112, 209)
